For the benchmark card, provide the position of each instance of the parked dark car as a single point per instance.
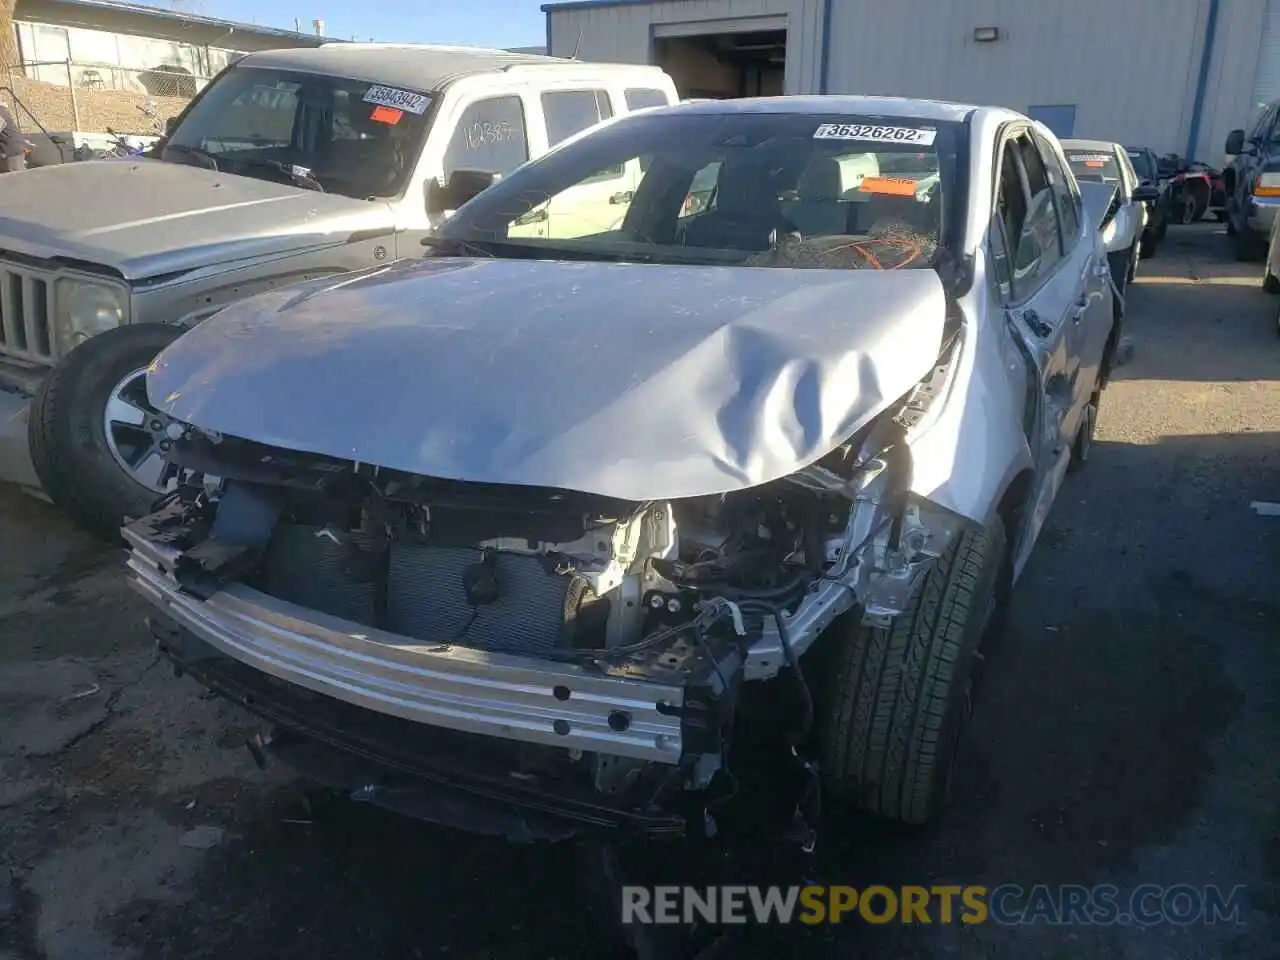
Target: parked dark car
(1252, 182)
(1147, 166)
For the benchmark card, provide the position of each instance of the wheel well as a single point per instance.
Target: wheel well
(1011, 507)
(1011, 510)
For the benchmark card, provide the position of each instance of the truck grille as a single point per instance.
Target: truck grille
(26, 314)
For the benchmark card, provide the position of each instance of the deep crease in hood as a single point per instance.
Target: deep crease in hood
(631, 381)
(145, 218)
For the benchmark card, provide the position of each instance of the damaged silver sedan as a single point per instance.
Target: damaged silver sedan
(520, 536)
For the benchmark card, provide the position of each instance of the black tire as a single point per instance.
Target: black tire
(67, 437)
(1148, 247)
(1270, 284)
(1185, 208)
(1221, 215)
(1083, 444)
(898, 700)
(1246, 249)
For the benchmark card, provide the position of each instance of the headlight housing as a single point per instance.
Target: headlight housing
(86, 308)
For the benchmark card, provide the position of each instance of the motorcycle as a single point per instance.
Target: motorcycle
(1195, 188)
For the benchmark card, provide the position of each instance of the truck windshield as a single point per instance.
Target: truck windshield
(352, 137)
(750, 189)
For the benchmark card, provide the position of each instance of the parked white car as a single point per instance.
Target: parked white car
(1101, 161)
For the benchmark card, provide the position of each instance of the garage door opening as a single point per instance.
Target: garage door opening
(721, 66)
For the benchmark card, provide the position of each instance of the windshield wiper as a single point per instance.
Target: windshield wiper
(452, 246)
(194, 152)
(296, 177)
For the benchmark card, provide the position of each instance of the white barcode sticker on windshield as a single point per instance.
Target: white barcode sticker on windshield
(400, 99)
(1090, 158)
(873, 133)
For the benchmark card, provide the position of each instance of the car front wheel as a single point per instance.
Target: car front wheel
(897, 700)
(93, 434)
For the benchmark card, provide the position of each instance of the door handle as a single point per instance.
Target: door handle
(1079, 309)
(533, 216)
(625, 196)
(1101, 269)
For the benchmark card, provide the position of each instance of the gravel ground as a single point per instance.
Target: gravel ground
(1126, 733)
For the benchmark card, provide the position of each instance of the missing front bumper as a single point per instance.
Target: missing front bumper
(498, 695)
(443, 777)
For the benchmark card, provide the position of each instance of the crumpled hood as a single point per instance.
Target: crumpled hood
(625, 380)
(144, 218)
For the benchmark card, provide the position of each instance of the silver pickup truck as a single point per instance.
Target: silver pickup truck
(291, 165)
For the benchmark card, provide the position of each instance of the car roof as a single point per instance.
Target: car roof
(1103, 145)
(425, 67)
(903, 107)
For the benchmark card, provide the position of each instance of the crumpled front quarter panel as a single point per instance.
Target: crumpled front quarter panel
(627, 380)
(965, 458)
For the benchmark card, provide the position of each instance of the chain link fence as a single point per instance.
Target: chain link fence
(64, 96)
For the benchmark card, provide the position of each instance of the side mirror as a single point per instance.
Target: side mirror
(1235, 143)
(170, 125)
(1146, 193)
(461, 187)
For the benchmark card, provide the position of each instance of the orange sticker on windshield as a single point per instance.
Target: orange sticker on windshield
(889, 186)
(1094, 163)
(387, 115)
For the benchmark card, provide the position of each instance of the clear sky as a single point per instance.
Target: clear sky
(486, 23)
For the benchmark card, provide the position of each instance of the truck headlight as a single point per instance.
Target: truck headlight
(86, 309)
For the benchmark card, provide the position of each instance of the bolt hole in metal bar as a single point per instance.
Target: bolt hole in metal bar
(24, 316)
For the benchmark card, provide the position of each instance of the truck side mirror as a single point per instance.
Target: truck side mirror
(1146, 193)
(1235, 143)
(461, 186)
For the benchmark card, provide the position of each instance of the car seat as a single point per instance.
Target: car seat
(746, 211)
(819, 211)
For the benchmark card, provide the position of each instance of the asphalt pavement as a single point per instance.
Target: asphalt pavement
(1126, 734)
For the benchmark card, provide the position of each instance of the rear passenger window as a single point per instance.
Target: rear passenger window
(490, 136)
(569, 111)
(1039, 247)
(1064, 193)
(638, 98)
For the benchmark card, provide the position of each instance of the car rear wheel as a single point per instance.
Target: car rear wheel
(1083, 445)
(1246, 249)
(1185, 208)
(94, 436)
(897, 700)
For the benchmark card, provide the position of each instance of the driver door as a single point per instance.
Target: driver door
(1046, 297)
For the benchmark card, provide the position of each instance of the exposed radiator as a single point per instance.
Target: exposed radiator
(535, 610)
(426, 599)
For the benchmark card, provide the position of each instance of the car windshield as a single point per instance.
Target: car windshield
(319, 132)
(1142, 165)
(1095, 165)
(738, 188)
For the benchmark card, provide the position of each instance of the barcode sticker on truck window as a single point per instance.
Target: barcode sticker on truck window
(400, 99)
(922, 136)
(1089, 158)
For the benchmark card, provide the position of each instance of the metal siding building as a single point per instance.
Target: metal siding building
(1137, 71)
